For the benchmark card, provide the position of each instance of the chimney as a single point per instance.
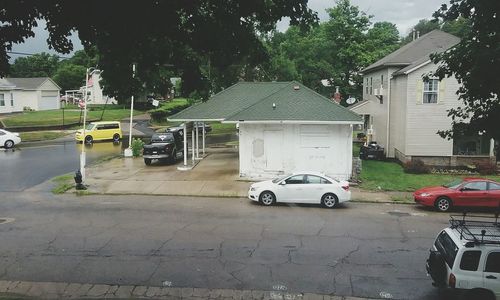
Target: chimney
(413, 31)
(337, 96)
(418, 34)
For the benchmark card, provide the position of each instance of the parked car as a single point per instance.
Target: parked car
(163, 147)
(180, 128)
(465, 258)
(309, 187)
(9, 139)
(463, 192)
(371, 151)
(100, 131)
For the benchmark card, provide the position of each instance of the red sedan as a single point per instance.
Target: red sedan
(466, 192)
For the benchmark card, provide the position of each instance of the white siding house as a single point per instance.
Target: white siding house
(403, 111)
(284, 127)
(40, 93)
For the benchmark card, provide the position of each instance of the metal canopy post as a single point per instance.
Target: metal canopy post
(192, 144)
(197, 140)
(203, 138)
(185, 144)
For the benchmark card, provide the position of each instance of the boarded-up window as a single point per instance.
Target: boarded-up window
(315, 136)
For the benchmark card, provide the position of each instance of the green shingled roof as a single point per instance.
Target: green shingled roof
(253, 101)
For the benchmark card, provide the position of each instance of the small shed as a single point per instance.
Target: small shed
(283, 127)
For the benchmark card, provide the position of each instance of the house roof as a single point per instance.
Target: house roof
(31, 83)
(6, 85)
(432, 42)
(253, 101)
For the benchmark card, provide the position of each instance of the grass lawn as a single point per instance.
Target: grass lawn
(174, 103)
(41, 135)
(389, 176)
(55, 117)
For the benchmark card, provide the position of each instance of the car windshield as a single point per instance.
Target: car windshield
(162, 138)
(454, 184)
(90, 126)
(276, 180)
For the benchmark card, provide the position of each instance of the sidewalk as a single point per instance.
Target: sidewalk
(217, 175)
(59, 290)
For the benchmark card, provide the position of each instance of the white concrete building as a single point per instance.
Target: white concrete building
(403, 111)
(40, 93)
(284, 127)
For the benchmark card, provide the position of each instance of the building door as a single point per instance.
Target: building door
(273, 149)
(49, 100)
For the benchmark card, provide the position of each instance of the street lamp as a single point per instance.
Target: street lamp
(83, 154)
(128, 152)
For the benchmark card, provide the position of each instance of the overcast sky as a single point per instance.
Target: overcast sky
(403, 13)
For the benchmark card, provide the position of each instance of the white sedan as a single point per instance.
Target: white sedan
(301, 188)
(9, 139)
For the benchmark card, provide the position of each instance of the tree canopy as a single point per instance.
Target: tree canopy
(37, 65)
(336, 50)
(155, 35)
(474, 62)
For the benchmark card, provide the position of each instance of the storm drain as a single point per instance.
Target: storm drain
(6, 220)
(398, 213)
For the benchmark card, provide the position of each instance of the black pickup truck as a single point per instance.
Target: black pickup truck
(163, 147)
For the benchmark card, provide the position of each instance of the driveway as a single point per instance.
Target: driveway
(363, 250)
(216, 175)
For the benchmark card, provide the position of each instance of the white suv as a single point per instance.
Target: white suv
(465, 258)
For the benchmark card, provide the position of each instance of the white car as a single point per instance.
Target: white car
(9, 139)
(306, 187)
(465, 258)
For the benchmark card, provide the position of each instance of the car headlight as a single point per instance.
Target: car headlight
(425, 194)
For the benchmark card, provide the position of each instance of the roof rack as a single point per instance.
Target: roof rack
(477, 229)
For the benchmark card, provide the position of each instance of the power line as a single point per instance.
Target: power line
(31, 54)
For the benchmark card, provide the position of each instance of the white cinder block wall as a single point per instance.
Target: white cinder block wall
(267, 150)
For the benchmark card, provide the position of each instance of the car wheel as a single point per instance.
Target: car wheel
(147, 161)
(329, 200)
(116, 138)
(443, 204)
(8, 144)
(89, 139)
(267, 198)
(173, 157)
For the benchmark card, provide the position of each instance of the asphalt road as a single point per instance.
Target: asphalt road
(28, 166)
(364, 250)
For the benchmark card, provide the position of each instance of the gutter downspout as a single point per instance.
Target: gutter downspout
(389, 77)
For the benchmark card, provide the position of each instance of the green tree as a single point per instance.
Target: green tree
(70, 76)
(382, 39)
(474, 62)
(37, 65)
(458, 27)
(152, 34)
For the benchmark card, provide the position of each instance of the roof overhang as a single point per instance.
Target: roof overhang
(414, 68)
(195, 120)
(382, 66)
(294, 122)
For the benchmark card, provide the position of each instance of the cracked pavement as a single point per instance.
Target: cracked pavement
(232, 243)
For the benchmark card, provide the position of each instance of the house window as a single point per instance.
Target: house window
(366, 86)
(2, 100)
(371, 85)
(430, 91)
(381, 80)
(11, 99)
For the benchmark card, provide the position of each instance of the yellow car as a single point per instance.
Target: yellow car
(100, 131)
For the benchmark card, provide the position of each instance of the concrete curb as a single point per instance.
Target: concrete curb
(64, 290)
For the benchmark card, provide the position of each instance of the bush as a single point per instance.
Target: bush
(487, 168)
(137, 145)
(416, 167)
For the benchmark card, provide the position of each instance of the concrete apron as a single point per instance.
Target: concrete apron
(217, 175)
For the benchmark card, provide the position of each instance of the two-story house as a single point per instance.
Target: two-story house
(403, 111)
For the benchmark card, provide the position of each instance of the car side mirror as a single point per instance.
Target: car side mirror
(462, 189)
(283, 183)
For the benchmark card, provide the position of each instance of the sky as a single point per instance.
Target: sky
(403, 13)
